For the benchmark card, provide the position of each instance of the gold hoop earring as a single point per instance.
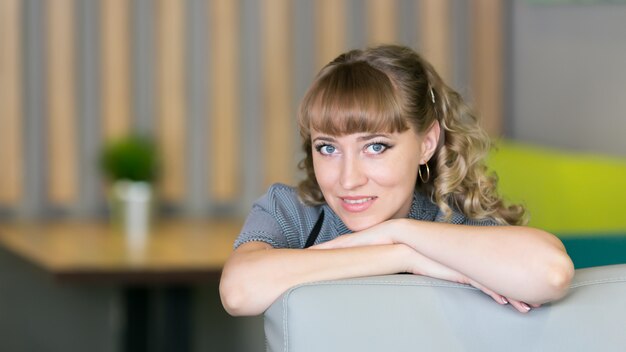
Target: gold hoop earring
(419, 173)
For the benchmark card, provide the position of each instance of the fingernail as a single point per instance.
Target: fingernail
(525, 306)
(504, 300)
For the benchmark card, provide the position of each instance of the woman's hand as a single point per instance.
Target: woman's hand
(417, 263)
(522, 307)
(422, 265)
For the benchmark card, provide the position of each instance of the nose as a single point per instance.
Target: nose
(352, 173)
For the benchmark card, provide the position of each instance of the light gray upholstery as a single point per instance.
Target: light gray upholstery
(415, 313)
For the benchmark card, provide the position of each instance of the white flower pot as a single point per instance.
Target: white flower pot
(131, 209)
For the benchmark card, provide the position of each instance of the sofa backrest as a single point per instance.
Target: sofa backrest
(416, 313)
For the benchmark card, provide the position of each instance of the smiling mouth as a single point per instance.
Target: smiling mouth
(357, 201)
(357, 204)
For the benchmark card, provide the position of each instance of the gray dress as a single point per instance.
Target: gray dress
(282, 220)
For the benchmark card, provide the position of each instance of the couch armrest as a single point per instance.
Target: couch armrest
(416, 313)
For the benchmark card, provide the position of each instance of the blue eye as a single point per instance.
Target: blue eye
(325, 149)
(377, 148)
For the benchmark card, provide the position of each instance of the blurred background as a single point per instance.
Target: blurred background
(216, 83)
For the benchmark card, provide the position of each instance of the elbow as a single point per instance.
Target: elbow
(245, 287)
(557, 270)
(233, 296)
(559, 277)
(239, 291)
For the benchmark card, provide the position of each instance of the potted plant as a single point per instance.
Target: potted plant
(131, 165)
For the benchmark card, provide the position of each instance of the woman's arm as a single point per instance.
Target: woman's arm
(256, 274)
(520, 263)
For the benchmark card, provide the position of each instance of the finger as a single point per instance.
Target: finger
(496, 297)
(499, 299)
(520, 306)
(534, 305)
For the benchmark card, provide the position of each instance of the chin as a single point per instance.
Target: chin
(356, 225)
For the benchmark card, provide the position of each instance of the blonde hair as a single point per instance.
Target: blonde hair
(389, 89)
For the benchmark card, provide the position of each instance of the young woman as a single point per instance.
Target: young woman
(396, 182)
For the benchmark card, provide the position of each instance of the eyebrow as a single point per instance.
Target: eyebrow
(325, 139)
(366, 137)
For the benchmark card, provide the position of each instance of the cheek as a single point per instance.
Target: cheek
(324, 172)
(394, 172)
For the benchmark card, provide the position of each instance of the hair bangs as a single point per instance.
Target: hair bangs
(352, 98)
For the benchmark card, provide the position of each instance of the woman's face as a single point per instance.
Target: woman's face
(367, 178)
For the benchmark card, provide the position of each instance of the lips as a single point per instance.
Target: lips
(355, 204)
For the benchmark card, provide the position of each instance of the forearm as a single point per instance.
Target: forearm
(517, 262)
(253, 279)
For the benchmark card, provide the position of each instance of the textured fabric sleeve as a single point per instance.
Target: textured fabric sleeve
(261, 226)
(481, 222)
(279, 219)
(459, 219)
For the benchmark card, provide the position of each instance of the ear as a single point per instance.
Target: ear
(430, 141)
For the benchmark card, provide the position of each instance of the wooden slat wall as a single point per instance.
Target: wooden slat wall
(10, 103)
(62, 137)
(487, 63)
(116, 83)
(434, 18)
(330, 20)
(335, 24)
(278, 116)
(171, 97)
(224, 144)
(381, 17)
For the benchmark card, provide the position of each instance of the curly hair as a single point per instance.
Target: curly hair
(390, 89)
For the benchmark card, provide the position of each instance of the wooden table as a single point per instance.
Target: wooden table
(174, 250)
(176, 255)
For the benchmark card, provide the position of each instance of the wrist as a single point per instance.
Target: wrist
(405, 256)
(399, 230)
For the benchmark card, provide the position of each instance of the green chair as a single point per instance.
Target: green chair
(579, 197)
